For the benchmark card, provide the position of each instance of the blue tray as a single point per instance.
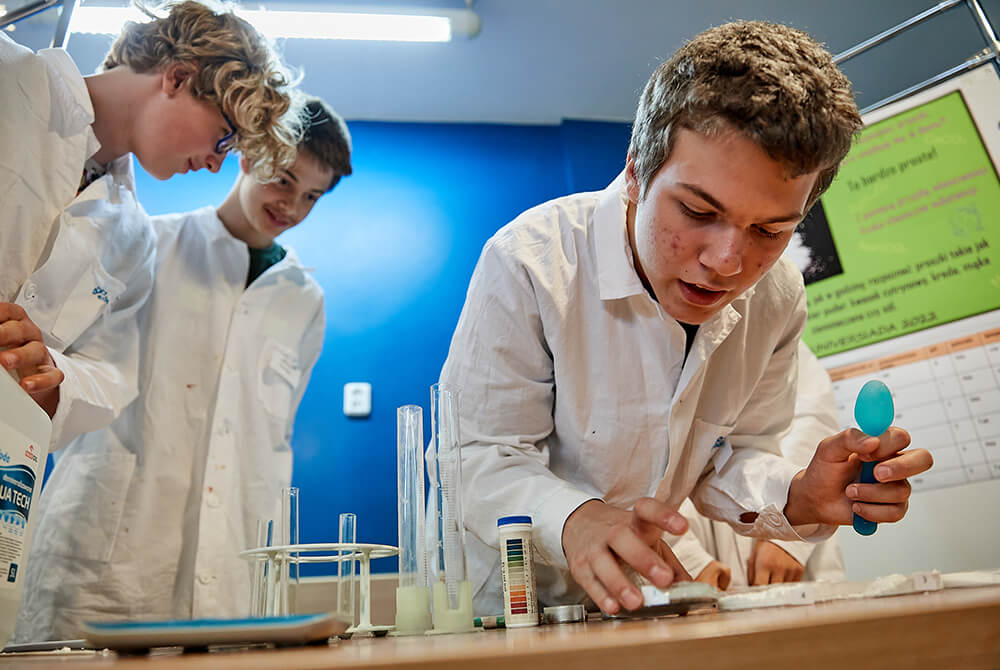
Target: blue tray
(282, 630)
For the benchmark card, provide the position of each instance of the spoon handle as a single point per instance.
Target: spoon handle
(862, 525)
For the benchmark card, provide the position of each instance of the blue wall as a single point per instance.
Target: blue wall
(394, 246)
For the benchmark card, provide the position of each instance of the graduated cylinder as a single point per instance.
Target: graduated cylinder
(413, 597)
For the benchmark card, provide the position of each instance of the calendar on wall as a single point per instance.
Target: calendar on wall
(947, 396)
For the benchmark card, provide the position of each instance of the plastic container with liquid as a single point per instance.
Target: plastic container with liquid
(25, 430)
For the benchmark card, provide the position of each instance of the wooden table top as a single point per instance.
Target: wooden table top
(958, 628)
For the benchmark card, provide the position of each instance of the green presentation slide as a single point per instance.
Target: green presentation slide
(908, 236)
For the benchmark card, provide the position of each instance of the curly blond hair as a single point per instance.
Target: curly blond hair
(773, 84)
(235, 68)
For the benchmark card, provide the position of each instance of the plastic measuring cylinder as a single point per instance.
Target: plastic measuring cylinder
(451, 591)
(25, 430)
(517, 569)
(873, 410)
(413, 596)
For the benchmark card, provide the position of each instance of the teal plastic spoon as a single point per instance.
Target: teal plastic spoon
(873, 410)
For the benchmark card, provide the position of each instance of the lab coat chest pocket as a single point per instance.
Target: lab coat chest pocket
(89, 300)
(709, 447)
(87, 290)
(86, 500)
(279, 377)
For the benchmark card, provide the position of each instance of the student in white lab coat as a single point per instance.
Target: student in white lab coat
(76, 248)
(144, 519)
(623, 350)
(713, 552)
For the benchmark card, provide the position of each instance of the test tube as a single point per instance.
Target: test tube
(452, 591)
(289, 536)
(413, 613)
(269, 589)
(257, 584)
(345, 568)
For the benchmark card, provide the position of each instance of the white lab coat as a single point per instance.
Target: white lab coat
(573, 386)
(145, 518)
(80, 265)
(815, 419)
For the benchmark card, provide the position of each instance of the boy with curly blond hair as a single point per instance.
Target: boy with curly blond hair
(177, 92)
(204, 451)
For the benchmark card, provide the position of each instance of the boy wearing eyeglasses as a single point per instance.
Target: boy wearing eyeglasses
(177, 92)
(230, 335)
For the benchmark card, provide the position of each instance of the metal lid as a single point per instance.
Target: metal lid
(564, 614)
(506, 520)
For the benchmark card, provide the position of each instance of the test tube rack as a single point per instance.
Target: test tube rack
(279, 558)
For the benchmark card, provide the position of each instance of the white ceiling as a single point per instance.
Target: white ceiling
(540, 61)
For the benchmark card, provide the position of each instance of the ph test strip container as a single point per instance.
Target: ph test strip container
(520, 602)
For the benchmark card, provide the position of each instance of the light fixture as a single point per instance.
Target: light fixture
(404, 24)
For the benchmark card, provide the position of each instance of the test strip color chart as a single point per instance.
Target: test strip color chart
(517, 571)
(517, 581)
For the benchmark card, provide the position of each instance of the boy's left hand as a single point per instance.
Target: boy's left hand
(24, 350)
(770, 564)
(826, 492)
(716, 574)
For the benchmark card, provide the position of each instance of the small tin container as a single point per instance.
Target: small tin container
(520, 600)
(564, 614)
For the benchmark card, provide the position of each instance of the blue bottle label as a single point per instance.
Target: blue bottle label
(17, 483)
(19, 459)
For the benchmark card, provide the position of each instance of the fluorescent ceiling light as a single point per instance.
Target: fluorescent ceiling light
(403, 25)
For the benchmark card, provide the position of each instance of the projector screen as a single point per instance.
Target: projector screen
(906, 237)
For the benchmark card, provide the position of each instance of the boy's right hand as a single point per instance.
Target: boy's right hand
(598, 539)
(24, 350)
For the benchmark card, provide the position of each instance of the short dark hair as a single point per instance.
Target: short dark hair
(773, 84)
(326, 138)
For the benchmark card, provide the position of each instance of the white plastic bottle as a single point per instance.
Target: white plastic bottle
(24, 443)
(517, 569)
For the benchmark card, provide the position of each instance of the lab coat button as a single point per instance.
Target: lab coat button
(212, 499)
(30, 292)
(205, 578)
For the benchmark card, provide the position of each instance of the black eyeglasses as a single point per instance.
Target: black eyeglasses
(228, 141)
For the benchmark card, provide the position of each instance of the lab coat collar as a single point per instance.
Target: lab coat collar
(616, 275)
(290, 263)
(74, 112)
(121, 172)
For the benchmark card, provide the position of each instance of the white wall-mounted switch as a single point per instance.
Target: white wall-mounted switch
(357, 399)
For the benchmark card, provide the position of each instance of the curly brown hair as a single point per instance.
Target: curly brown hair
(773, 84)
(235, 68)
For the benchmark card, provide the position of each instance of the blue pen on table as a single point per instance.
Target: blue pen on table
(873, 410)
